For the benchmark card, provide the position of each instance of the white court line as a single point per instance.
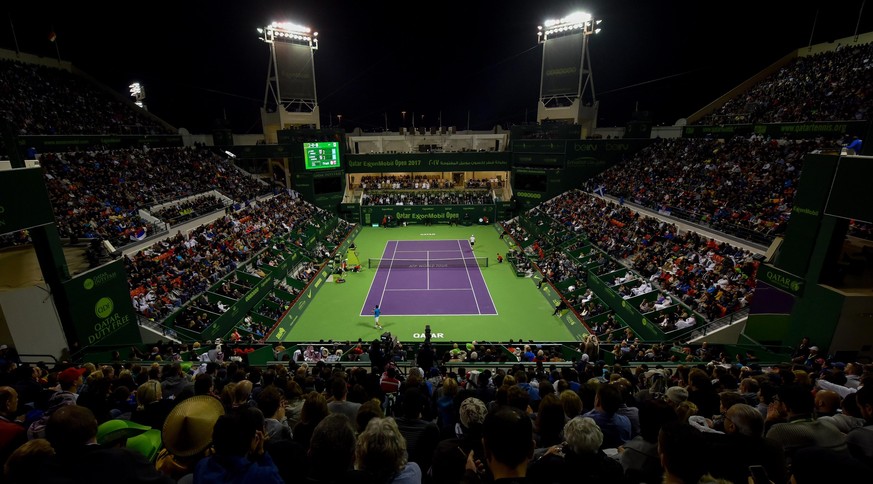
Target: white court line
(388, 277)
(487, 290)
(427, 255)
(470, 279)
(422, 289)
(453, 251)
(364, 310)
(431, 315)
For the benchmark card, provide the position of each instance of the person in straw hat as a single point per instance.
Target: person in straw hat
(187, 435)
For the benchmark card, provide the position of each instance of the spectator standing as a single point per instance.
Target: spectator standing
(425, 357)
(802, 351)
(421, 435)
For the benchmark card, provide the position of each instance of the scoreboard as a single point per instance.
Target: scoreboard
(321, 155)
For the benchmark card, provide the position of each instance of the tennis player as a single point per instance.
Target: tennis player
(472, 240)
(376, 313)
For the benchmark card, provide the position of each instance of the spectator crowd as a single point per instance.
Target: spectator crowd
(217, 419)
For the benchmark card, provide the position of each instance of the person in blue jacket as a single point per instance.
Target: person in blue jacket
(854, 147)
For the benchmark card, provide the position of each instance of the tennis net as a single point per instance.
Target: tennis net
(460, 263)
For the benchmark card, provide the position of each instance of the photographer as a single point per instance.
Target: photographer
(377, 357)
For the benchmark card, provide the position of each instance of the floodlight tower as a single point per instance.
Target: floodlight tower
(137, 92)
(290, 98)
(566, 80)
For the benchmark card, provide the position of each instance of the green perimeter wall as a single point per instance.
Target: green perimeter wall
(48, 144)
(372, 214)
(427, 162)
(225, 323)
(283, 327)
(784, 130)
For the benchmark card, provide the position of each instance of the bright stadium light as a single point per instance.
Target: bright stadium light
(566, 81)
(289, 32)
(576, 21)
(137, 92)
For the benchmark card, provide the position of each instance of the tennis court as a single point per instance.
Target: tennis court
(431, 282)
(429, 278)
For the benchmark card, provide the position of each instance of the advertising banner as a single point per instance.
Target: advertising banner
(100, 307)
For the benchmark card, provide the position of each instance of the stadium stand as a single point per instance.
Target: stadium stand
(639, 283)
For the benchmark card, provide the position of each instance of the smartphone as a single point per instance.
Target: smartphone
(759, 475)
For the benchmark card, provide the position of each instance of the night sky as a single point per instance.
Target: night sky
(203, 64)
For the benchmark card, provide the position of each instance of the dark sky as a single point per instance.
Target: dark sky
(202, 62)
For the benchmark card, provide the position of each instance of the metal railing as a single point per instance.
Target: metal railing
(719, 323)
(36, 358)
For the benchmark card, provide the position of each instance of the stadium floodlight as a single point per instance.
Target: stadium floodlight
(576, 21)
(288, 32)
(290, 83)
(563, 40)
(137, 92)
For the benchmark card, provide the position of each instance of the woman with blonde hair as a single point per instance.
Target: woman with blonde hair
(151, 409)
(447, 414)
(686, 410)
(242, 394)
(572, 403)
(381, 452)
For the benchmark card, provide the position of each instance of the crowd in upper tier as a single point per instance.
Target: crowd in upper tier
(99, 194)
(741, 186)
(40, 100)
(829, 86)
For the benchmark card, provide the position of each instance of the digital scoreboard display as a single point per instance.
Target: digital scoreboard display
(322, 155)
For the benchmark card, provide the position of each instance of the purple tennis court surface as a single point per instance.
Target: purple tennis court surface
(402, 289)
